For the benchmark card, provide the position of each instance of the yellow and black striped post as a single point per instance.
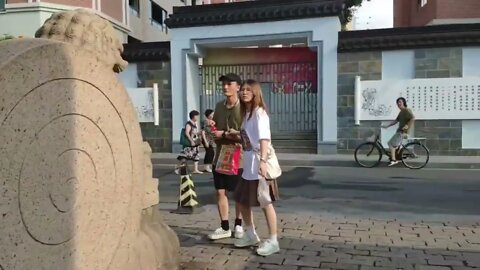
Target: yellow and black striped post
(187, 201)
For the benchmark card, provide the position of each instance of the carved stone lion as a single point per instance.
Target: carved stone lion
(87, 30)
(76, 186)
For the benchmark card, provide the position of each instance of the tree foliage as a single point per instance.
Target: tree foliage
(350, 6)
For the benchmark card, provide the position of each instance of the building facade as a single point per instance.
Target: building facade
(434, 67)
(134, 20)
(431, 12)
(296, 95)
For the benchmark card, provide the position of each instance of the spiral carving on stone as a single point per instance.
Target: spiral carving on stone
(68, 185)
(75, 177)
(67, 160)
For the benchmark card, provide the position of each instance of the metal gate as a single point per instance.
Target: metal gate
(289, 89)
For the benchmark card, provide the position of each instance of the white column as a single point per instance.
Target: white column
(185, 88)
(193, 86)
(156, 112)
(471, 58)
(178, 96)
(358, 100)
(329, 92)
(127, 14)
(124, 12)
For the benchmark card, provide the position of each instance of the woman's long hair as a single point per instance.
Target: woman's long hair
(257, 100)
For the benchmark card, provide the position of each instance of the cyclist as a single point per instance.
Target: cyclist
(405, 120)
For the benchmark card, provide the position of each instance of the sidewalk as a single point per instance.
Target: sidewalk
(310, 160)
(329, 241)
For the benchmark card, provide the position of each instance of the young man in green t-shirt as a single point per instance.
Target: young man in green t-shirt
(405, 119)
(227, 116)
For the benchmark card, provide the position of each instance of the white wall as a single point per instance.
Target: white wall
(398, 65)
(471, 128)
(25, 19)
(471, 60)
(129, 77)
(323, 30)
(30, 22)
(471, 134)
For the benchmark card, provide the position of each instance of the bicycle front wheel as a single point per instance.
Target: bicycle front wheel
(368, 155)
(415, 155)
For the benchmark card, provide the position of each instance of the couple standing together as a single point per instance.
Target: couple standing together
(242, 119)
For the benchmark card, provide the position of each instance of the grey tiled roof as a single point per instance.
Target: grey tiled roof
(451, 35)
(252, 11)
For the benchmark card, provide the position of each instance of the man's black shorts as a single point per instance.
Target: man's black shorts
(227, 182)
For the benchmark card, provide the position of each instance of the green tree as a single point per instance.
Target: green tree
(350, 7)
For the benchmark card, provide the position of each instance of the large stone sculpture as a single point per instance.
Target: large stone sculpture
(75, 177)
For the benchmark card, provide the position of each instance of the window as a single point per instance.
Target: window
(134, 7)
(422, 3)
(158, 16)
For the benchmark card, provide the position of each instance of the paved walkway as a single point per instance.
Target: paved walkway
(326, 241)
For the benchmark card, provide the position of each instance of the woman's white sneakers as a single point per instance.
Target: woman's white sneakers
(238, 232)
(246, 241)
(268, 247)
(221, 233)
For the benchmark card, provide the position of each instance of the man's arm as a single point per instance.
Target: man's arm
(233, 137)
(394, 122)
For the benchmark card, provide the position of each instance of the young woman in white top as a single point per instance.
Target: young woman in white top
(256, 137)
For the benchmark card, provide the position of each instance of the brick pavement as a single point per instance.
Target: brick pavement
(318, 241)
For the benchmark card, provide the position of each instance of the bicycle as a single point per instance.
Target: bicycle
(414, 154)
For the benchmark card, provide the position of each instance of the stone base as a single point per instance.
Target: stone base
(158, 245)
(327, 148)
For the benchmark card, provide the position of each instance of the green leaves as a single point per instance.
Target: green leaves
(350, 7)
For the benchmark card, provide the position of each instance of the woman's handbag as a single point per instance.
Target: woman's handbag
(229, 159)
(185, 142)
(273, 167)
(263, 193)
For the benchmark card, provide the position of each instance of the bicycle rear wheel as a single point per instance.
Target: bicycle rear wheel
(415, 155)
(368, 155)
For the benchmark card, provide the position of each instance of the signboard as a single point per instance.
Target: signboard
(145, 101)
(429, 99)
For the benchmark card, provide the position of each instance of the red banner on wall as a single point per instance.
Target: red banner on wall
(290, 70)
